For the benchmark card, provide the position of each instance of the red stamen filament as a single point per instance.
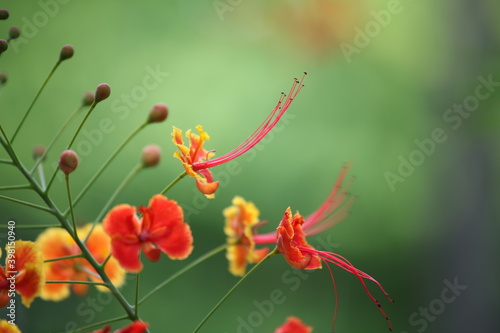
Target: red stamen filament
(326, 215)
(268, 124)
(346, 265)
(336, 297)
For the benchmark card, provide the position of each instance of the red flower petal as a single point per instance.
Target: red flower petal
(168, 230)
(293, 325)
(135, 327)
(290, 237)
(122, 225)
(29, 265)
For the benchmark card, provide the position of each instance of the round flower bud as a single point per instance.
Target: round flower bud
(158, 113)
(67, 52)
(68, 161)
(102, 92)
(3, 78)
(88, 99)
(38, 152)
(14, 32)
(3, 45)
(4, 14)
(150, 156)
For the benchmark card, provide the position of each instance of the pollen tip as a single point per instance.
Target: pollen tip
(305, 73)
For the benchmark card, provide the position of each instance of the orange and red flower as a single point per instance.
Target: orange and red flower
(291, 242)
(293, 325)
(136, 327)
(161, 229)
(197, 161)
(195, 153)
(57, 243)
(6, 327)
(23, 272)
(241, 217)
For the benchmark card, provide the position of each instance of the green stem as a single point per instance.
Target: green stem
(169, 186)
(65, 224)
(15, 187)
(41, 226)
(184, 270)
(92, 107)
(41, 175)
(137, 294)
(106, 260)
(118, 190)
(4, 161)
(35, 99)
(29, 204)
(71, 205)
(99, 172)
(76, 282)
(63, 258)
(272, 253)
(58, 134)
(99, 324)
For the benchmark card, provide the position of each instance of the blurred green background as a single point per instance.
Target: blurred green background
(383, 75)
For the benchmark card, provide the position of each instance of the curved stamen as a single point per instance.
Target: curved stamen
(271, 120)
(346, 265)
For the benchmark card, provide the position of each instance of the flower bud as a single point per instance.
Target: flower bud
(3, 78)
(67, 52)
(3, 45)
(158, 113)
(68, 161)
(4, 14)
(14, 32)
(102, 92)
(150, 156)
(88, 99)
(38, 152)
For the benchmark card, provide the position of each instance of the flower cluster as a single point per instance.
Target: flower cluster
(73, 254)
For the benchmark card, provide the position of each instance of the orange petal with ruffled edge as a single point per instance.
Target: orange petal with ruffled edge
(6, 327)
(54, 291)
(99, 244)
(290, 237)
(168, 230)
(29, 265)
(123, 226)
(293, 325)
(56, 243)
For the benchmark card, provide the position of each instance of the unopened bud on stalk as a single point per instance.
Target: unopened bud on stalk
(4, 14)
(150, 155)
(3, 46)
(158, 113)
(14, 32)
(88, 99)
(67, 52)
(68, 161)
(102, 92)
(3, 78)
(38, 152)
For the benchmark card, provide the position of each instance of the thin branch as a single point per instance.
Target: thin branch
(29, 204)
